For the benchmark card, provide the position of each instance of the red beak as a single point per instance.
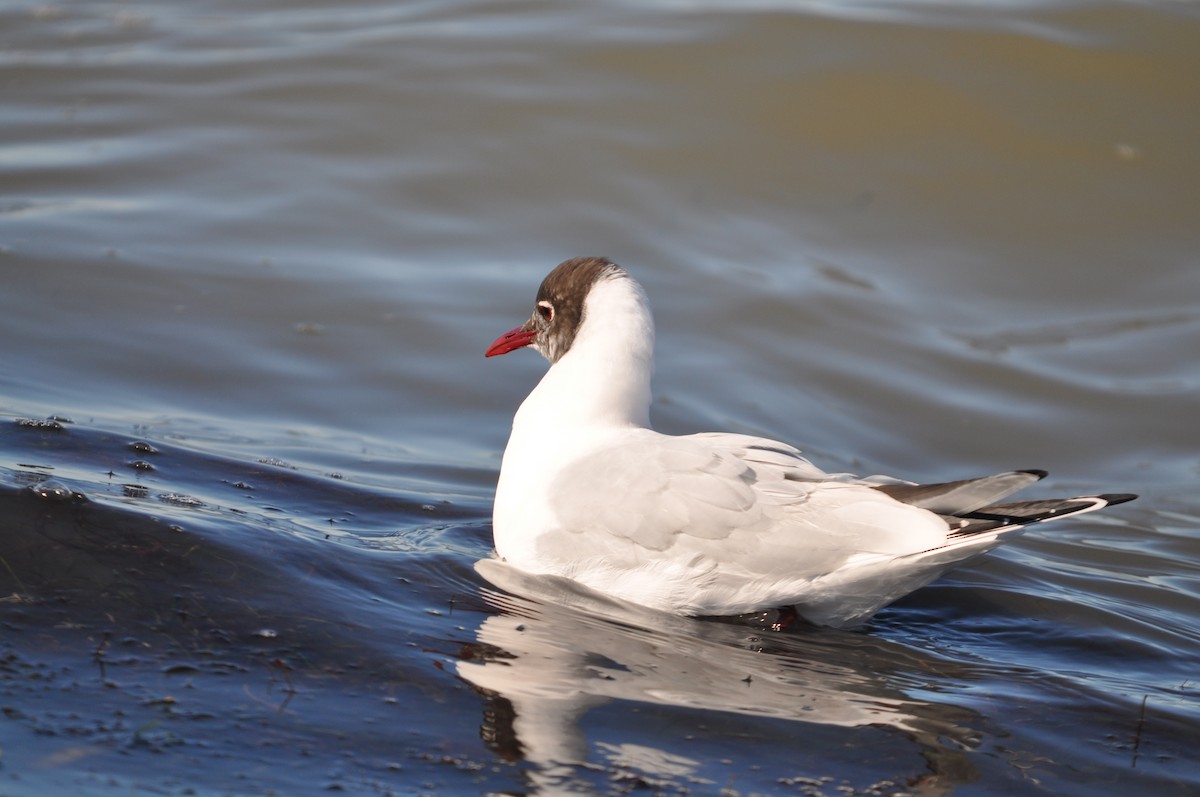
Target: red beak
(511, 340)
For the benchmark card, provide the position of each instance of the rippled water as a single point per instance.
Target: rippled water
(250, 257)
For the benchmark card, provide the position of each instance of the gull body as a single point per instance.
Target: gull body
(713, 523)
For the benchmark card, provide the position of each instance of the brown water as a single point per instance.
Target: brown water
(250, 257)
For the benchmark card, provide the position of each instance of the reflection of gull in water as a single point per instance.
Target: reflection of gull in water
(560, 650)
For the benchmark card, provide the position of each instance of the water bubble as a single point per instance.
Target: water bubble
(55, 490)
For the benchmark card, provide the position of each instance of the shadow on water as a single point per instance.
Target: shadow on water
(201, 611)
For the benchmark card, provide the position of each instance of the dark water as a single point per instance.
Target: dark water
(251, 254)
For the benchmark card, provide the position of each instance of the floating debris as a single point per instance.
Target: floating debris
(178, 499)
(49, 424)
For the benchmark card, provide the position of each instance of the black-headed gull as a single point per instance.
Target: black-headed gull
(710, 524)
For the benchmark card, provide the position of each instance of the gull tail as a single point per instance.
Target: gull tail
(969, 506)
(1002, 517)
(976, 523)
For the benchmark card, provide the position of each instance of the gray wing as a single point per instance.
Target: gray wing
(762, 499)
(653, 492)
(967, 495)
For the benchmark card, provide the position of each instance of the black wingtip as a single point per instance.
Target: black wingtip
(1041, 474)
(1117, 498)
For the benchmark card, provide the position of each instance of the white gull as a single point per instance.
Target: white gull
(714, 523)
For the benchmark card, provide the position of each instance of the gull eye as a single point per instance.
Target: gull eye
(545, 310)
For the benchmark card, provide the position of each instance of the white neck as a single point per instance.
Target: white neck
(601, 385)
(604, 379)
